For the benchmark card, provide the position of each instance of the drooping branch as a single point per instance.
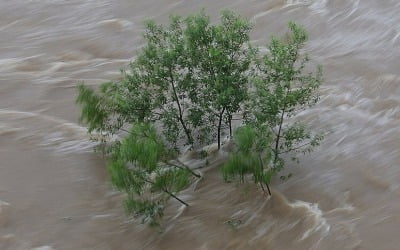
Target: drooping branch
(165, 191)
(184, 167)
(175, 197)
(295, 148)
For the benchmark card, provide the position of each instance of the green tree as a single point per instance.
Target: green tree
(167, 87)
(222, 56)
(142, 167)
(281, 90)
(251, 157)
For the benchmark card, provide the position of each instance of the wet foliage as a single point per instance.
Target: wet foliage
(281, 89)
(182, 90)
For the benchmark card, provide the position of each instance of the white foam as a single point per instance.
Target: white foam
(58, 134)
(43, 248)
(116, 24)
(101, 216)
(4, 208)
(316, 214)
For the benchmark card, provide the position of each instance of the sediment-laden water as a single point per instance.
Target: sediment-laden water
(54, 192)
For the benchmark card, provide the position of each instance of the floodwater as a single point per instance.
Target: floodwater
(54, 192)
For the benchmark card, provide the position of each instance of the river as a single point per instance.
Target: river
(54, 190)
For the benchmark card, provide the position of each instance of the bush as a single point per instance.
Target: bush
(188, 81)
(281, 90)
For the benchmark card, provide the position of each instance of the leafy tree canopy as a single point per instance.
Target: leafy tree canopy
(188, 80)
(281, 90)
(183, 89)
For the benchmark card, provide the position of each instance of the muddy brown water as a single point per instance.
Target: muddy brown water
(54, 192)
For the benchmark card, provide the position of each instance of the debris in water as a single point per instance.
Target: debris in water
(233, 223)
(67, 218)
(43, 248)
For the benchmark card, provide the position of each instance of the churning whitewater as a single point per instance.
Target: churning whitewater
(54, 190)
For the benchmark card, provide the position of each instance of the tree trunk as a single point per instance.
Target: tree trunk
(180, 116)
(186, 130)
(269, 191)
(262, 170)
(230, 125)
(278, 137)
(220, 127)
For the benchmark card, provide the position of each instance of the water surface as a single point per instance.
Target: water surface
(54, 190)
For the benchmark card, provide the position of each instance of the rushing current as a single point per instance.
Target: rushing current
(54, 190)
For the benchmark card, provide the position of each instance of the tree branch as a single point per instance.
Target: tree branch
(166, 191)
(184, 167)
(293, 149)
(180, 117)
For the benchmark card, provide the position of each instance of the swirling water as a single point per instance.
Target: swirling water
(54, 192)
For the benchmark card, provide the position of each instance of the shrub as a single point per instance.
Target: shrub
(281, 90)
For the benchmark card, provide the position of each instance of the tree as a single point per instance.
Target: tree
(183, 89)
(167, 86)
(141, 166)
(223, 56)
(251, 156)
(281, 90)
